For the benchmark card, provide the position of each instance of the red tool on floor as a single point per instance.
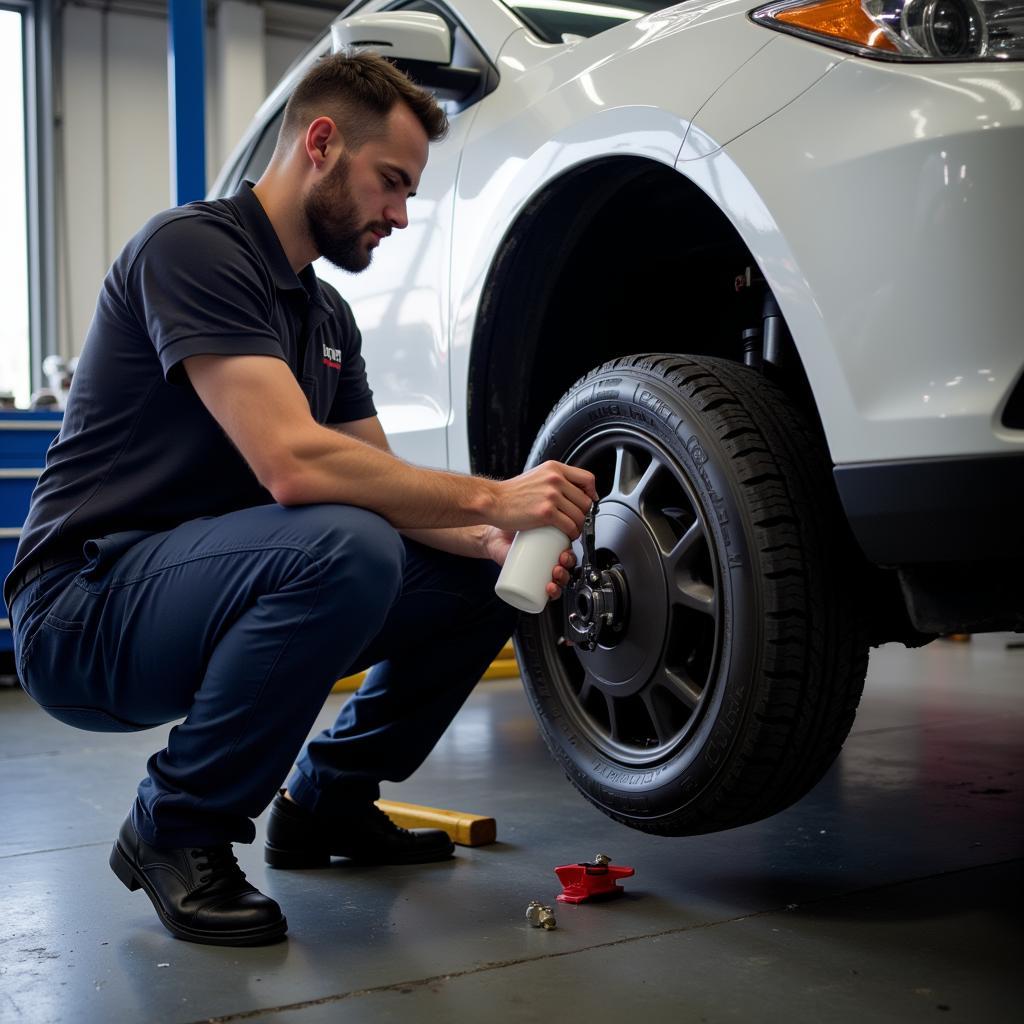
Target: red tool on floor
(589, 880)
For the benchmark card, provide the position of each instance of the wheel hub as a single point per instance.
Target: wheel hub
(600, 608)
(615, 604)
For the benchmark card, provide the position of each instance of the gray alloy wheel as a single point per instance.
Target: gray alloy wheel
(726, 682)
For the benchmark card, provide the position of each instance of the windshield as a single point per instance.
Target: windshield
(552, 19)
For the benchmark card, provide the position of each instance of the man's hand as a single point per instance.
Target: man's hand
(551, 494)
(497, 542)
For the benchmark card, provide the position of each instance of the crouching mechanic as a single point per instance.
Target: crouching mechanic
(221, 531)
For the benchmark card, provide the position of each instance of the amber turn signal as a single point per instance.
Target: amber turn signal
(842, 19)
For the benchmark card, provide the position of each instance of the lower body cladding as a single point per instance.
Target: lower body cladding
(952, 530)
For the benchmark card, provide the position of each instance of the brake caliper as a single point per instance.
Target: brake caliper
(596, 601)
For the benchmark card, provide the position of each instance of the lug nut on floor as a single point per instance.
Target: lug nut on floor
(540, 916)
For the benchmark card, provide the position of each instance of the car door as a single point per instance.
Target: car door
(401, 301)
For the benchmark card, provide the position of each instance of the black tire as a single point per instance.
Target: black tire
(736, 677)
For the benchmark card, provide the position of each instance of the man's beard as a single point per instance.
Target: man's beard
(334, 222)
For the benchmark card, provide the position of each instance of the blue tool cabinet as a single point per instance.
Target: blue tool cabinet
(24, 438)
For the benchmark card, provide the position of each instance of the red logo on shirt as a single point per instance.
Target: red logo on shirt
(332, 357)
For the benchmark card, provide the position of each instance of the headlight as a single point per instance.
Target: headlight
(926, 30)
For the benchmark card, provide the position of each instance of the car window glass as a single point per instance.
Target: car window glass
(552, 19)
(261, 153)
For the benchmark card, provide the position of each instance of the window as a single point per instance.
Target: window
(14, 325)
(260, 156)
(551, 19)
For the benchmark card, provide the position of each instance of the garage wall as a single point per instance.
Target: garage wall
(113, 169)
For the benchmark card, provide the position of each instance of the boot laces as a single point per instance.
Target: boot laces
(219, 863)
(383, 823)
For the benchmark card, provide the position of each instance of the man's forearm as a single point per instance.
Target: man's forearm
(458, 540)
(258, 404)
(350, 471)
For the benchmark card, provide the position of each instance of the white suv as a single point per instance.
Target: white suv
(759, 270)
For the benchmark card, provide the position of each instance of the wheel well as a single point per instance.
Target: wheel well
(614, 258)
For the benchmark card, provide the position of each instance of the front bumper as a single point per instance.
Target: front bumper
(967, 509)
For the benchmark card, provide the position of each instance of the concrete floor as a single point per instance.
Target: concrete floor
(891, 893)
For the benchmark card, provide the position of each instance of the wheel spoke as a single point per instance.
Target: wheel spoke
(613, 722)
(695, 595)
(680, 685)
(642, 485)
(587, 688)
(626, 471)
(664, 733)
(685, 548)
(589, 685)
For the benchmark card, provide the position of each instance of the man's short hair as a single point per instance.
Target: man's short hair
(357, 91)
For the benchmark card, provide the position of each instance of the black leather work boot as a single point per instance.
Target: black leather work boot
(296, 838)
(199, 893)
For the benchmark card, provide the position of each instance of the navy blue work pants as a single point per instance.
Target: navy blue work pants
(240, 624)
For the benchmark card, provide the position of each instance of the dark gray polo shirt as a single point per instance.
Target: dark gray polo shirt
(137, 449)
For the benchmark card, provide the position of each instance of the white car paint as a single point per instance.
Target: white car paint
(880, 201)
(898, 277)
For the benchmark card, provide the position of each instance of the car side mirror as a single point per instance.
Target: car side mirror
(418, 42)
(400, 35)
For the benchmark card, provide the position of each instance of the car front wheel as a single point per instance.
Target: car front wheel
(728, 657)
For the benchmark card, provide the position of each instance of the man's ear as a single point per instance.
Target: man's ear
(321, 135)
